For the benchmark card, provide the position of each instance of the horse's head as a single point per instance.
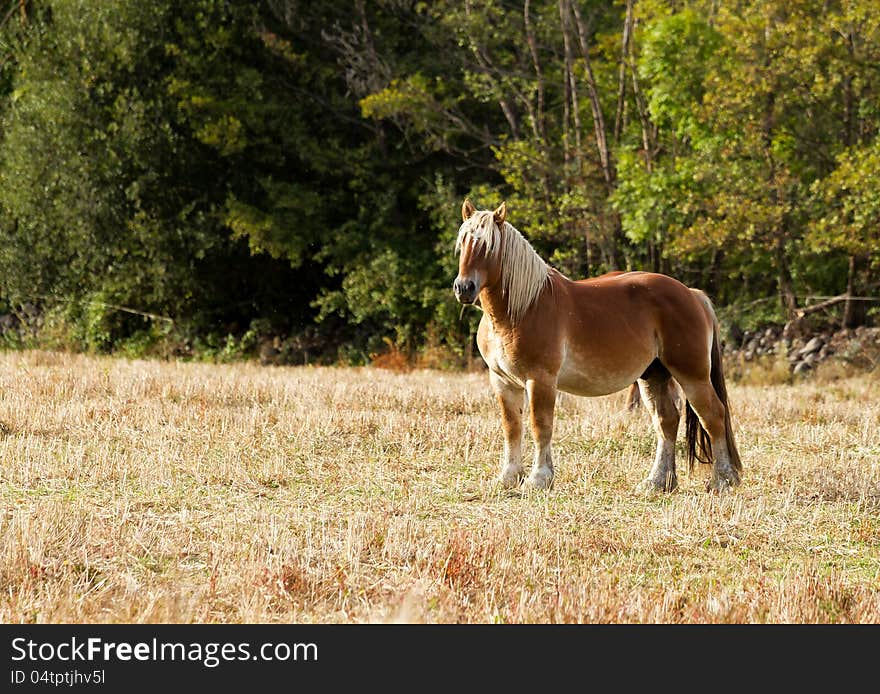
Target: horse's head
(479, 240)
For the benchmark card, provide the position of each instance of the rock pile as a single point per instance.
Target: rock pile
(806, 357)
(860, 346)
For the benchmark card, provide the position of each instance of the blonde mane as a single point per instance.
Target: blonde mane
(523, 272)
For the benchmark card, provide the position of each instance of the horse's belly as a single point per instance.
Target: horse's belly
(596, 377)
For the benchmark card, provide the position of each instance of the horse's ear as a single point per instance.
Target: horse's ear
(500, 214)
(467, 210)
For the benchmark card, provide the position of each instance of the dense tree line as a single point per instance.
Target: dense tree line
(209, 174)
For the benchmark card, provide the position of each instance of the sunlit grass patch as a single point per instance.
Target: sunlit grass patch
(150, 491)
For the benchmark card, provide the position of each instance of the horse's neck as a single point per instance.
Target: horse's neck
(494, 302)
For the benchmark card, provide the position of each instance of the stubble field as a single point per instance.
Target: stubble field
(177, 492)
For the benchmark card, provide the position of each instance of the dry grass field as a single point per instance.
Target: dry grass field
(177, 492)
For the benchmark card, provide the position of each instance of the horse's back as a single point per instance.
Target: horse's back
(640, 277)
(624, 289)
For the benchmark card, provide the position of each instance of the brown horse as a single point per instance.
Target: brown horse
(542, 332)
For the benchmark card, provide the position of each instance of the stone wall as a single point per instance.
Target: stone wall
(804, 351)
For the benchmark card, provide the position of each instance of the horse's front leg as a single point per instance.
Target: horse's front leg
(542, 401)
(510, 400)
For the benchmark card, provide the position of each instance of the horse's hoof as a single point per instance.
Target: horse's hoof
(539, 480)
(719, 484)
(510, 478)
(650, 487)
(647, 488)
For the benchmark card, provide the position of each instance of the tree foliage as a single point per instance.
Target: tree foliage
(294, 169)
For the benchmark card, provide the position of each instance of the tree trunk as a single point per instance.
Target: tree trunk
(783, 278)
(853, 310)
(849, 308)
(595, 105)
(541, 125)
(510, 117)
(654, 255)
(539, 74)
(713, 281)
(621, 78)
(649, 130)
(777, 237)
(571, 102)
(566, 118)
(849, 96)
(616, 258)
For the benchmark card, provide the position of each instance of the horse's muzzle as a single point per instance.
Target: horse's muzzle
(465, 291)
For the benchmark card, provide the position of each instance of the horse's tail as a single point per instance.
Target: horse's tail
(633, 398)
(697, 437)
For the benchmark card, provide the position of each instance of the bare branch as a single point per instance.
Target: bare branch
(539, 75)
(571, 90)
(595, 105)
(621, 78)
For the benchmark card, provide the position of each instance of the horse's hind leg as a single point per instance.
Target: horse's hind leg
(510, 400)
(710, 411)
(659, 396)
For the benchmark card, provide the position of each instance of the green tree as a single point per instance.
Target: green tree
(752, 103)
(141, 166)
